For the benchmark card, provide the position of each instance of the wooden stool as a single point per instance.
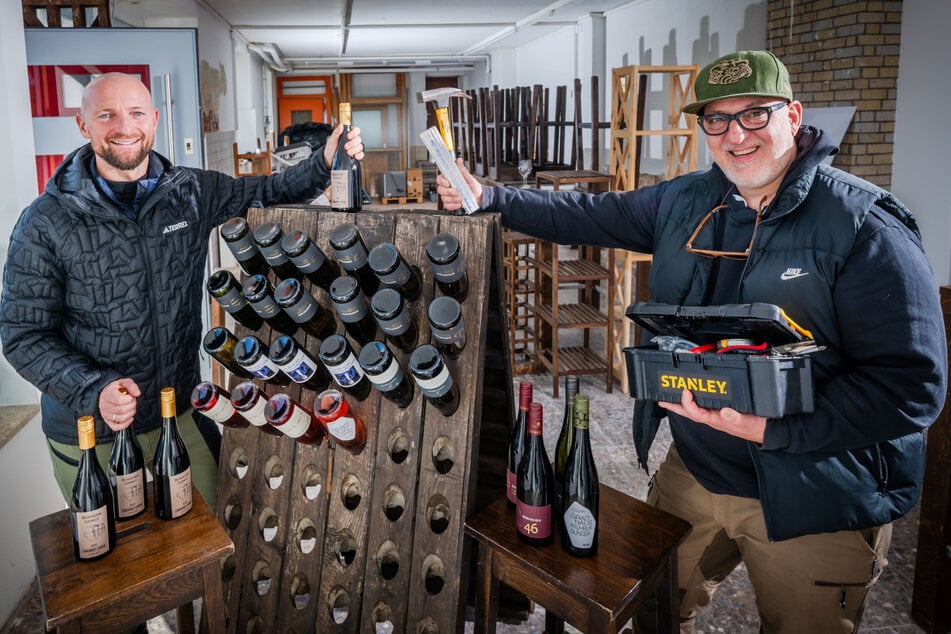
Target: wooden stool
(156, 566)
(637, 556)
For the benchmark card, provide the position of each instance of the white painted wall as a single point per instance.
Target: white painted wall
(922, 139)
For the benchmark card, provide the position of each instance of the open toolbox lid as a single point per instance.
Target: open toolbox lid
(758, 321)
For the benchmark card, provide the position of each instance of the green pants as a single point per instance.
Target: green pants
(204, 467)
(812, 583)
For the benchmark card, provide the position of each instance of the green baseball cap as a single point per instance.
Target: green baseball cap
(740, 74)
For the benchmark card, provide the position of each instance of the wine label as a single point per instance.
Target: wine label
(266, 307)
(347, 373)
(533, 521)
(352, 311)
(436, 386)
(255, 414)
(304, 310)
(262, 368)
(297, 423)
(398, 325)
(340, 193)
(300, 368)
(221, 411)
(91, 532)
(180, 492)
(454, 336)
(389, 378)
(243, 248)
(581, 525)
(343, 429)
(274, 254)
(130, 494)
(399, 276)
(450, 271)
(310, 260)
(233, 300)
(511, 489)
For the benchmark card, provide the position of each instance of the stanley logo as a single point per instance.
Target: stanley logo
(718, 387)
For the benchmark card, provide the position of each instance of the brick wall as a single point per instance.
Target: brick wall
(844, 53)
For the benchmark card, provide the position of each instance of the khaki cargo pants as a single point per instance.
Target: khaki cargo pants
(814, 583)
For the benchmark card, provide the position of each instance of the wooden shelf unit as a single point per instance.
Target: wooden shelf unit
(520, 276)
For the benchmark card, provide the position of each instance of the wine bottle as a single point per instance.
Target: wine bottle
(353, 309)
(171, 466)
(396, 322)
(296, 363)
(127, 474)
(220, 343)
(385, 373)
(565, 436)
(535, 486)
(448, 265)
(393, 271)
(303, 309)
(335, 353)
(223, 286)
(309, 259)
(249, 401)
(435, 382)
(215, 402)
(347, 430)
(293, 420)
(351, 252)
(251, 354)
(92, 510)
(580, 490)
(447, 326)
(258, 291)
(237, 236)
(518, 439)
(346, 175)
(267, 236)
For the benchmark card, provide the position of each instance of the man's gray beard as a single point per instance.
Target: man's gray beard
(112, 159)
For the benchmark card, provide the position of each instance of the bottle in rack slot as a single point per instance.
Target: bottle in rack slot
(258, 291)
(296, 363)
(92, 508)
(267, 236)
(127, 474)
(393, 271)
(346, 174)
(226, 290)
(353, 309)
(351, 252)
(309, 259)
(434, 379)
(518, 439)
(293, 420)
(237, 236)
(335, 353)
(447, 326)
(385, 373)
(580, 489)
(249, 400)
(215, 402)
(347, 430)
(304, 310)
(171, 466)
(535, 486)
(221, 343)
(396, 322)
(251, 354)
(566, 435)
(449, 267)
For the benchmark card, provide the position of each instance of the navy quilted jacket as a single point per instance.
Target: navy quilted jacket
(91, 296)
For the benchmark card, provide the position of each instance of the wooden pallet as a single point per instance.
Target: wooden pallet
(400, 200)
(307, 558)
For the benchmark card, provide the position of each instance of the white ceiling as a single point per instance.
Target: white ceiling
(308, 34)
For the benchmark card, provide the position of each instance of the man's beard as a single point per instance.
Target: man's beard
(113, 159)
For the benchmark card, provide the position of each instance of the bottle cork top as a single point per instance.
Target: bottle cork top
(345, 112)
(87, 432)
(167, 400)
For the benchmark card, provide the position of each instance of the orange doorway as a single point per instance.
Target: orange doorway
(302, 99)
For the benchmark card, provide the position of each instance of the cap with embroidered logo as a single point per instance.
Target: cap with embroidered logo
(740, 74)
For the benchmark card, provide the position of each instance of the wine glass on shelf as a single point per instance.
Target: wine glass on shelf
(525, 168)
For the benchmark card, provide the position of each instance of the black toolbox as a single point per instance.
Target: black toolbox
(771, 382)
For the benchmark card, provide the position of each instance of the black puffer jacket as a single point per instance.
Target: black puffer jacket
(91, 296)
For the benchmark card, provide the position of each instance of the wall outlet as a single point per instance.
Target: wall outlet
(189, 146)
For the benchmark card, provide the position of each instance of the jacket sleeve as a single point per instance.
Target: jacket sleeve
(31, 308)
(889, 314)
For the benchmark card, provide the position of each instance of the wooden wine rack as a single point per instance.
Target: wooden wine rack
(328, 541)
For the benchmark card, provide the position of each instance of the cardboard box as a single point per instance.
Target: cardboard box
(765, 383)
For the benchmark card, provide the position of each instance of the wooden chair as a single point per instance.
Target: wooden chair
(257, 162)
(83, 14)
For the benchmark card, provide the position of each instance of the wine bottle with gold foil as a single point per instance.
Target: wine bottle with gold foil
(346, 174)
(92, 509)
(171, 466)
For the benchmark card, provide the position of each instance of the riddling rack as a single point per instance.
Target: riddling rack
(329, 541)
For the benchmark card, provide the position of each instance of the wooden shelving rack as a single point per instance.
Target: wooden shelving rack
(328, 541)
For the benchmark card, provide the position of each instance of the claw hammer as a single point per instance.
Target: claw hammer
(440, 98)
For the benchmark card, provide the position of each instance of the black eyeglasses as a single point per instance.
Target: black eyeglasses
(717, 123)
(729, 255)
